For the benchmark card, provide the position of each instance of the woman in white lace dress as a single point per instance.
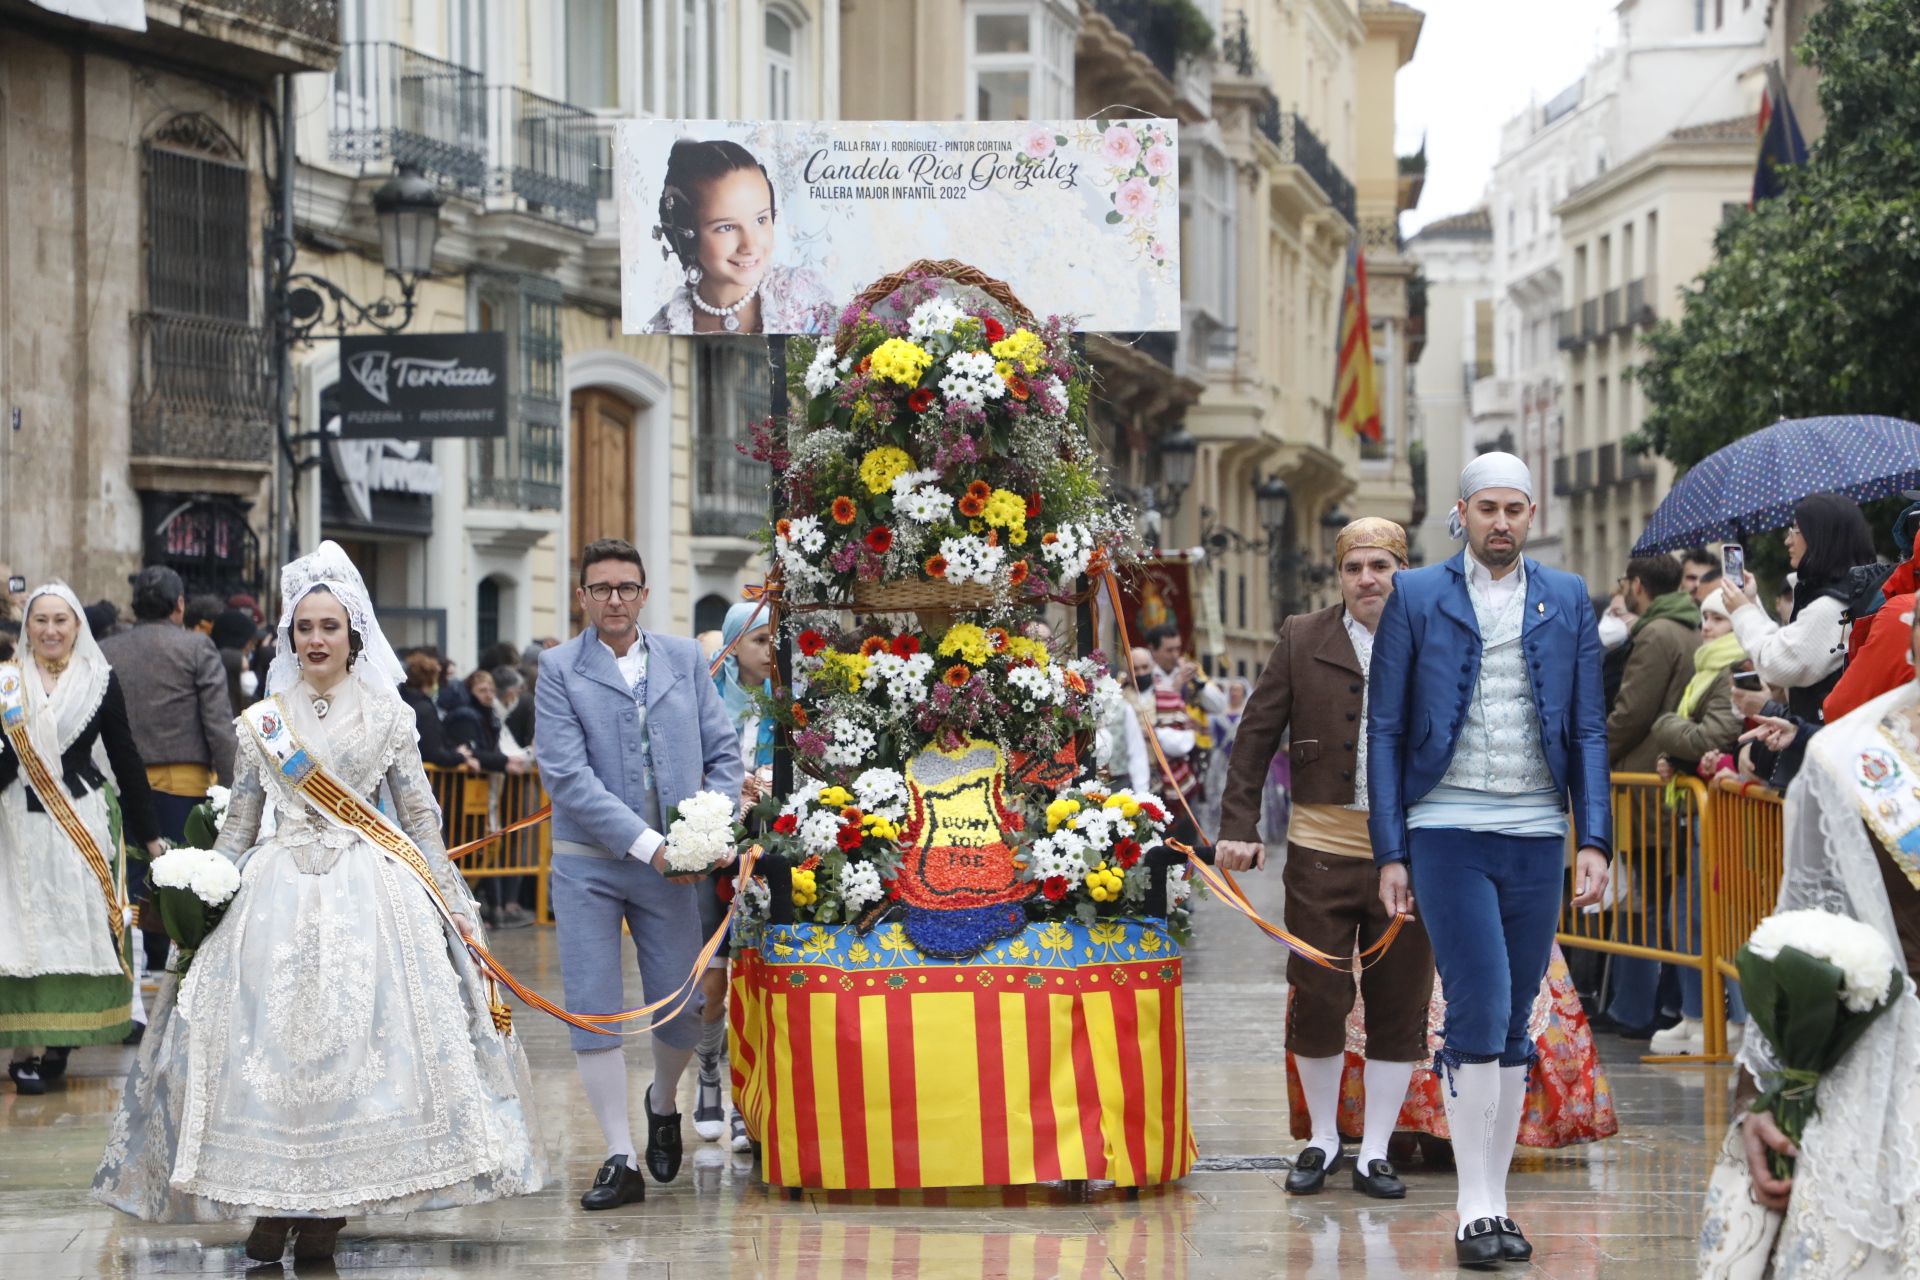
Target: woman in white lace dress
(330, 1051)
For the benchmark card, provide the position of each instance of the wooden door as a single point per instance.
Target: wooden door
(603, 459)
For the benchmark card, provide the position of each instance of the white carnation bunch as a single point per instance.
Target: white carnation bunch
(882, 792)
(1037, 684)
(821, 374)
(700, 837)
(971, 559)
(971, 379)
(218, 798)
(1179, 888)
(820, 831)
(923, 505)
(935, 315)
(860, 885)
(852, 744)
(208, 875)
(1071, 551)
(1859, 951)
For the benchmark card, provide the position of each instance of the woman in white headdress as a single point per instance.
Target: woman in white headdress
(63, 969)
(330, 1052)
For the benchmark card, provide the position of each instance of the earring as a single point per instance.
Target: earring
(694, 275)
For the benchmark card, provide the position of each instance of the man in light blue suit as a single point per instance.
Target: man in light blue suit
(1485, 725)
(630, 726)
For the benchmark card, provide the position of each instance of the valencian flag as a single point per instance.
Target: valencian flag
(1353, 389)
(1781, 144)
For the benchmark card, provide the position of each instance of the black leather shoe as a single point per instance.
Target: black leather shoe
(663, 1141)
(1514, 1247)
(26, 1077)
(53, 1064)
(1310, 1170)
(616, 1184)
(1379, 1181)
(1480, 1247)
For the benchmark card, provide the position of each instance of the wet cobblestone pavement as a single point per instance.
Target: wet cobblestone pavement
(1627, 1207)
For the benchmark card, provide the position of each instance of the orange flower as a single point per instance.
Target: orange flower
(865, 364)
(799, 716)
(1049, 539)
(1017, 387)
(1018, 574)
(1097, 564)
(872, 645)
(993, 537)
(997, 639)
(980, 489)
(851, 814)
(844, 511)
(783, 527)
(936, 566)
(972, 506)
(957, 675)
(1075, 682)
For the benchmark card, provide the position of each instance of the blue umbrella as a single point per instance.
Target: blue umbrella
(1754, 483)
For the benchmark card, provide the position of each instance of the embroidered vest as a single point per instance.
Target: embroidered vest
(1499, 747)
(649, 789)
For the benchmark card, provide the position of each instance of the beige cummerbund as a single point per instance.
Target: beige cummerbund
(1330, 828)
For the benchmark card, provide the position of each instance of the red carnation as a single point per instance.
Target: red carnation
(1054, 887)
(921, 400)
(1126, 852)
(905, 646)
(849, 838)
(786, 824)
(811, 642)
(723, 890)
(1153, 811)
(1033, 505)
(879, 539)
(995, 330)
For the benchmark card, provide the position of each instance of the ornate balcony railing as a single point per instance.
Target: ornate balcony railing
(1300, 145)
(1382, 232)
(1613, 314)
(522, 472)
(729, 488)
(392, 103)
(1166, 31)
(1236, 46)
(543, 153)
(202, 390)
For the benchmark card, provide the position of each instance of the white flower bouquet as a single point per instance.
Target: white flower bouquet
(1814, 981)
(203, 821)
(191, 890)
(701, 833)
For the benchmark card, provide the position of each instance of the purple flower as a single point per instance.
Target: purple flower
(810, 742)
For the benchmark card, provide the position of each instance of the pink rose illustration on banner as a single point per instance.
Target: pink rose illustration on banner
(1158, 251)
(1038, 144)
(1159, 161)
(1133, 198)
(1118, 146)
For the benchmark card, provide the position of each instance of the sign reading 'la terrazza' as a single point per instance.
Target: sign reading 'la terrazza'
(423, 385)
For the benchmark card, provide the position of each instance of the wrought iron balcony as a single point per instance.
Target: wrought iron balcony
(729, 488)
(1640, 301)
(1162, 345)
(1566, 330)
(1152, 25)
(1563, 477)
(1590, 319)
(1300, 145)
(523, 470)
(543, 154)
(392, 103)
(1382, 233)
(1613, 315)
(1236, 47)
(1609, 464)
(203, 390)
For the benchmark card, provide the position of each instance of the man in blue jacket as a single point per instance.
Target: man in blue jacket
(1485, 726)
(630, 726)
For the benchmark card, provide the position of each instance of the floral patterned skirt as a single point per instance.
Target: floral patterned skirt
(1568, 1099)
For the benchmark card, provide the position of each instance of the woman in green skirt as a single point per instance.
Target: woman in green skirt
(64, 977)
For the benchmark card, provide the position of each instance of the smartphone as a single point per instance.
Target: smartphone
(16, 584)
(1733, 563)
(1748, 681)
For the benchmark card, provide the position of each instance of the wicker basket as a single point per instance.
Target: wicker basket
(946, 268)
(910, 595)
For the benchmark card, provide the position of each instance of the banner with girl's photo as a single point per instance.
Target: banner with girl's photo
(763, 226)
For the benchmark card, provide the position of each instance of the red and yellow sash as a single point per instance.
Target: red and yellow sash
(55, 800)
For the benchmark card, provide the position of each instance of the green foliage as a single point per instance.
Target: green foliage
(1809, 305)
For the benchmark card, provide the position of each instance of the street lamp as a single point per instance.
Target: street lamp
(1273, 507)
(407, 208)
(1176, 452)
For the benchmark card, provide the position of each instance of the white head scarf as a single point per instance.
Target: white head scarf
(377, 668)
(1490, 471)
(55, 719)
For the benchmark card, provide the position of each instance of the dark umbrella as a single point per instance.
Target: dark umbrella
(1752, 485)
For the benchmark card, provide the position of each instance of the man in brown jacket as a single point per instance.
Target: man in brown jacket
(1666, 631)
(1314, 685)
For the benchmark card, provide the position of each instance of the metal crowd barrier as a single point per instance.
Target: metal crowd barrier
(473, 804)
(1719, 847)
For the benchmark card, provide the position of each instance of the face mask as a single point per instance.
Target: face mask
(1143, 683)
(249, 684)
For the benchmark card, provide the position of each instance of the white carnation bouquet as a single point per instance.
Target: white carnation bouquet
(191, 889)
(701, 833)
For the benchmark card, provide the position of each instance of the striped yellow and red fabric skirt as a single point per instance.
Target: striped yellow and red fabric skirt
(1058, 1054)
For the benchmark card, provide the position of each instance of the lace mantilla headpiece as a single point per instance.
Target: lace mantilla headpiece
(377, 667)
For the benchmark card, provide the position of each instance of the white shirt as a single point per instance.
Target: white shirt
(633, 668)
(1362, 644)
(1496, 590)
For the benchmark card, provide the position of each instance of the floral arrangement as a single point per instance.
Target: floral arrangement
(843, 842)
(701, 833)
(202, 827)
(191, 890)
(1814, 981)
(1088, 859)
(938, 443)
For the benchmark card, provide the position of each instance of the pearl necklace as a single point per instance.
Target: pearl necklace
(729, 315)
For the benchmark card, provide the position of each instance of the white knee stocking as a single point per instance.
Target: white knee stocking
(1506, 1132)
(669, 1064)
(1472, 1093)
(1386, 1093)
(604, 1073)
(1320, 1081)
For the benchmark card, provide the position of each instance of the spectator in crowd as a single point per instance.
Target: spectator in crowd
(453, 690)
(1174, 670)
(12, 603)
(178, 709)
(1174, 688)
(1783, 601)
(1827, 539)
(1696, 737)
(247, 604)
(1882, 656)
(1709, 585)
(423, 677)
(517, 705)
(200, 613)
(103, 619)
(495, 656)
(477, 727)
(233, 635)
(711, 643)
(1615, 626)
(1665, 632)
(1141, 702)
(1695, 564)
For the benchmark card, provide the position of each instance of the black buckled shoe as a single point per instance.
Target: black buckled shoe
(26, 1077)
(53, 1064)
(616, 1183)
(1480, 1245)
(663, 1141)
(1379, 1181)
(1514, 1247)
(1310, 1170)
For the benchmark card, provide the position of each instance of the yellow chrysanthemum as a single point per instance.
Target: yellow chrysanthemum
(881, 466)
(1003, 368)
(1127, 805)
(1059, 811)
(805, 889)
(835, 798)
(966, 641)
(1005, 509)
(898, 360)
(1023, 347)
(879, 827)
(850, 667)
(1033, 651)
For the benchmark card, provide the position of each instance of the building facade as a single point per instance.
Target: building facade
(1455, 257)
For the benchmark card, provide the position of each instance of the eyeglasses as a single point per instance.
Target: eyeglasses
(605, 591)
